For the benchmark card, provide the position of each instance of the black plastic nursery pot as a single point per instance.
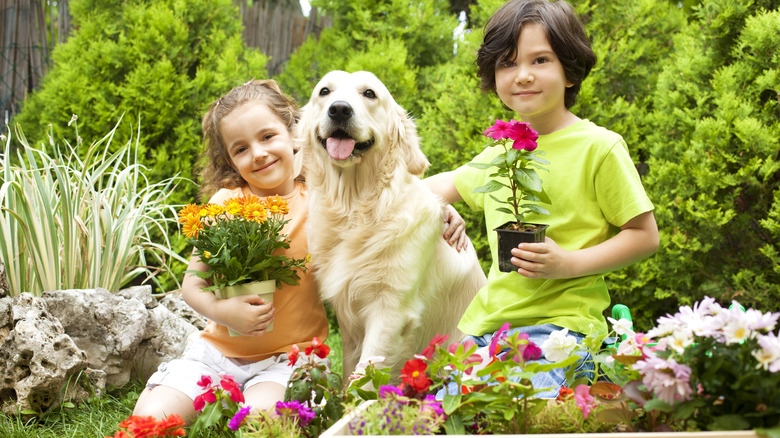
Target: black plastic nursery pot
(509, 238)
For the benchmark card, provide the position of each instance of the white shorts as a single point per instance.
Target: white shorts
(201, 358)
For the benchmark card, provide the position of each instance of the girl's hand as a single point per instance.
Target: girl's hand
(249, 315)
(455, 231)
(542, 260)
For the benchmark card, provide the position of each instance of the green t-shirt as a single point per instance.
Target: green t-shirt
(594, 188)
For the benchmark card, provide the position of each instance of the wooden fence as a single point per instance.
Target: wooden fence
(276, 27)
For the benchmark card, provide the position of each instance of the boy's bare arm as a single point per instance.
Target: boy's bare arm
(637, 239)
(443, 184)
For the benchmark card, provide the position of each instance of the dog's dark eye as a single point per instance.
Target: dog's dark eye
(324, 91)
(369, 94)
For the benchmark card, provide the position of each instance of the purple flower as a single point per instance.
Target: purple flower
(295, 408)
(431, 404)
(386, 390)
(305, 415)
(237, 419)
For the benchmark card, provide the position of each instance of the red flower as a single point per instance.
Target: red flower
(318, 348)
(292, 355)
(205, 382)
(230, 385)
(435, 342)
(564, 394)
(202, 400)
(149, 427)
(413, 374)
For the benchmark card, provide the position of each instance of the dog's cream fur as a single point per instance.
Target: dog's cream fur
(375, 230)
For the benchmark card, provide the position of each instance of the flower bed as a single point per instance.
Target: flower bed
(706, 371)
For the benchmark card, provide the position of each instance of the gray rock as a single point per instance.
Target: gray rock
(90, 337)
(37, 357)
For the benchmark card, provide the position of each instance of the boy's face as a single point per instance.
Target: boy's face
(533, 84)
(260, 148)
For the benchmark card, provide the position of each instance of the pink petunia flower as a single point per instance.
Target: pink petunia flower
(498, 337)
(435, 342)
(230, 385)
(202, 400)
(584, 400)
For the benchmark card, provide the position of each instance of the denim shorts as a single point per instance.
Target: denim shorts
(553, 379)
(201, 358)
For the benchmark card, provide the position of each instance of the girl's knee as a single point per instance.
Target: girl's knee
(264, 396)
(162, 401)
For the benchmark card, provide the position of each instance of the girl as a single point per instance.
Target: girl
(535, 55)
(250, 151)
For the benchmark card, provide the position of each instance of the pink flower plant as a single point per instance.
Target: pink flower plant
(516, 167)
(584, 400)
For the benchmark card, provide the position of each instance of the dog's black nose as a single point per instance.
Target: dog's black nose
(340, 111)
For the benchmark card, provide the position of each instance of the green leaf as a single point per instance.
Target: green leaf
(454, 425)
(529, 179)
(480, 165)
(491, 186)
(451, 402)
(535, 208)
(729, 422)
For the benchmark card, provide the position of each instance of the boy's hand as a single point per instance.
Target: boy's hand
(455, 231)
(541, 260)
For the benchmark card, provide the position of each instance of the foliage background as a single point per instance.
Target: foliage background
(694, 87)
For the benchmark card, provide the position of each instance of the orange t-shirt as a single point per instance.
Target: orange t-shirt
(300, 314)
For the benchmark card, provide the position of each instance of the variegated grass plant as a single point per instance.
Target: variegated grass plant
(73, 223)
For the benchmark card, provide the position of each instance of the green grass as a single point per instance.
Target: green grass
(99, 416)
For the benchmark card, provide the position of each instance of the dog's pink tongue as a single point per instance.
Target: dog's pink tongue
(340, 148)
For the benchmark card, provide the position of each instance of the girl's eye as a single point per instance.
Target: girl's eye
(506, 64)
(239, 150)
(541, 60)
(268, 137)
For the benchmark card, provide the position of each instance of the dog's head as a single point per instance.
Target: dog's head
(352, 118)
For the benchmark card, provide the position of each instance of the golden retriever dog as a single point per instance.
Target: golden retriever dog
(375, 230)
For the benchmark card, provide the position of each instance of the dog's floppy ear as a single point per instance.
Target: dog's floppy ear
(404, 135)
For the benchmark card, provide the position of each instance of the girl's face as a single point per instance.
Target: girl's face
(533, 84)
(260, 148)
